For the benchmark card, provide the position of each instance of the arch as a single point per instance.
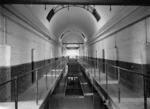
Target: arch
(89, 8)
(82, 34)
(72, 37)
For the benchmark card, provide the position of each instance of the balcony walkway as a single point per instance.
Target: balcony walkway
(27, 100)
(129, 99)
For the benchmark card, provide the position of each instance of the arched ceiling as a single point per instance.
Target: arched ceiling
(73, 19)
(72, 37)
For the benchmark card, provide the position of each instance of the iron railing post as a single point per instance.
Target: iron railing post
(145, 93)
(46, 81)
(55, 68)
(94, 69)
(57, 71)
(106, 75)
(91, 65)
(51, 70)
(16, 92)
(99, 71)
(36, 87)
(88, 64)
(119, 99)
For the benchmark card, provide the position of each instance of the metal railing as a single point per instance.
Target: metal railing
(57, 63)
(97, 64)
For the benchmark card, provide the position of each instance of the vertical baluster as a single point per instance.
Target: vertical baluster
(119, 85)
(37, 94)
(144, 90)
(106, 75)
(46, 79)
(99, 70)
(16, 93)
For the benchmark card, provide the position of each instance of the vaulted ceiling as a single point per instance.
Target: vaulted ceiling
(78, 21)
(71, 25)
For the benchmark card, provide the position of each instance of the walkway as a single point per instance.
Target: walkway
(27, 100)
(129, 99)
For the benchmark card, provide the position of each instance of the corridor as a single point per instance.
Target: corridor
(62, 54)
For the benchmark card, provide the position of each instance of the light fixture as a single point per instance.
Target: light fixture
(89, 8)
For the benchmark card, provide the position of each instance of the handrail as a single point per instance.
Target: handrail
(138, 73)
(25, 73)
(118, 69)
(106, 96)
(7, 81)
(36, 72)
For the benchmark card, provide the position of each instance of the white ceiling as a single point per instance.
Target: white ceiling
(73, 19)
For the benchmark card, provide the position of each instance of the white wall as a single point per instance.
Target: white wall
(130, 41)
(22, 39)
(1, 29)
